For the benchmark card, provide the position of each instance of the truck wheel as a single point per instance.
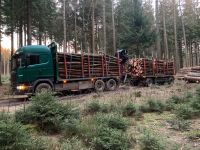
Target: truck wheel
(43, 87)
(134, 82)
(149, 82)
(99, 86)
(170, 80)
(111, 85)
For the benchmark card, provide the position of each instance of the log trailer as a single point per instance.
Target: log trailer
(38, 68)
(150, 71)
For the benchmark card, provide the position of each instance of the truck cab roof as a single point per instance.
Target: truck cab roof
(33, 49)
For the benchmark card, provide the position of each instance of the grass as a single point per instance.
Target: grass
(109, 121)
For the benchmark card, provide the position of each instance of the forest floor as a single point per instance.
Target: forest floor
(156, 122)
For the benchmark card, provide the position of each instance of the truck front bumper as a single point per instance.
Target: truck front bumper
(22, 89)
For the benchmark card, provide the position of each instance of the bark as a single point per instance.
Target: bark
(165, 34)
(113, 26)
(64, 26)
(40, 34)
(0, 47)
(157, 32)
(12, 29)
(29, 23)
(75, 24)
(20, 33)
(93, 34)
(180, 52)
(177, 59)
(104, 26)
(184, 36)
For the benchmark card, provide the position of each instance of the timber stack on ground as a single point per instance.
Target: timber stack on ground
(150, 67)
(74, 66)
(193, 75)
(180, 75)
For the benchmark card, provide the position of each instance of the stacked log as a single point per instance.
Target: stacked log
(180, 75)
(193, 75)
(73, 66)
(150, 67)
(140, 66)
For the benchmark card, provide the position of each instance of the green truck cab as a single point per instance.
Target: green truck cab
(33, 69)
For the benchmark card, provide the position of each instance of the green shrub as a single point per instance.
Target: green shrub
(14, 136)
(194, 135)
(184, 111)
(70, 127)
(195, 104)
(87, 130)
(198, 92)
(179, 124)
(73, 144)
(118, 122)
(156, 105)
(150, 141)
(144, 108)
(110, 139)
(106, 108)
(173, 101)
(130, 109)
(5, 117)
(114, 121)
(46, 113)
(94, 107)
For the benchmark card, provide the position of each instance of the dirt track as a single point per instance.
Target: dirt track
(161, 92)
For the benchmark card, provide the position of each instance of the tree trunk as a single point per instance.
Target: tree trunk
(40, 35)
(184, 36)
(29, 34)
(93, 36)
(113, 26)
(0, 45)
(20, 33)
(64, 26)
(157, 32)
(75, 26)
(165, 34)
(12, 28)
(177, 60)
(4, 68)
(104, 26)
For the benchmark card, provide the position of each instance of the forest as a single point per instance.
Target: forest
(146, 28)
(152, 115)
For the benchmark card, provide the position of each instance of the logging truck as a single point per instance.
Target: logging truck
(38, 68)
(41, 68)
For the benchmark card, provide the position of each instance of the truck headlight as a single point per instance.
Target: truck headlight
(22, 87)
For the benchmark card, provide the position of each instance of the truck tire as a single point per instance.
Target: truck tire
(170, 80)
(43, 87)
(99, 85)
(111, 85)
(149, 82)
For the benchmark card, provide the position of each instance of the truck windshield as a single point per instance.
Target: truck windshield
(17, 61)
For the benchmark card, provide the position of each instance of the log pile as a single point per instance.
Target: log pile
(73, 66)
(193, 75)
(180, 75)
(150, 67)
